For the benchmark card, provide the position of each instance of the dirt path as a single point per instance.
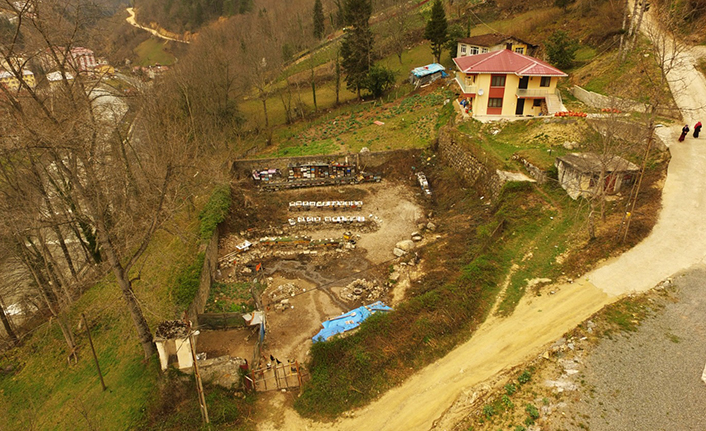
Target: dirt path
(677, 242)
(156, 32)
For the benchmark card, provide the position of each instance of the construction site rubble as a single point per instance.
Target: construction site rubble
(285, 291)
(172, 329)
(361, 289)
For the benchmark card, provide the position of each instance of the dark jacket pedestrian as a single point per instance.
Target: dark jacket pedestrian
(684, 131)
(697, 129)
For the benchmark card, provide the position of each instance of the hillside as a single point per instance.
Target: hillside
(476, 263)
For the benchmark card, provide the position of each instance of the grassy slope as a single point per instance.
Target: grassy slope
(153, 51)
(46, 393)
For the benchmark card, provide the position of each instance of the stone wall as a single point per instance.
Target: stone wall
(532, 170)
(461, 157)
(600, 101)
(368, 161)
(208, 271)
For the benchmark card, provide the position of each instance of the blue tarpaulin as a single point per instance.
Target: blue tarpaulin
(429, 69)
(347, 321)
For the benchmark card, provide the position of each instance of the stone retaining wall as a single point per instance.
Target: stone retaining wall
(458, 155)
(208, 270)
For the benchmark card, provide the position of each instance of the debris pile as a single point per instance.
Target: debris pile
(172, 329)
(361, 289)
(285, 291)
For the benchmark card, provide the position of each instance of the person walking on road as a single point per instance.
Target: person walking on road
(684, 131)
(697, 129)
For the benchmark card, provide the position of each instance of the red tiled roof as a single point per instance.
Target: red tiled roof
(506, 61)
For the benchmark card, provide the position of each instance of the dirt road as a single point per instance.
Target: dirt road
(133, 22)
(677, 242)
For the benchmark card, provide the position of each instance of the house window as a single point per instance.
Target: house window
(520, 50)
(495, 103)
(463, 49)
(485, 50)
(546, 80)
(474, 50)
(537, 103)
(497, 81)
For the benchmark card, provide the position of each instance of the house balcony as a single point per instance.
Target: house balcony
(535, 93)
(467, 86)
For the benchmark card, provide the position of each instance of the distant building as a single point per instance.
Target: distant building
(10, 81)
(585, 174)
(80, 60)
(504, 83)
(485, 43)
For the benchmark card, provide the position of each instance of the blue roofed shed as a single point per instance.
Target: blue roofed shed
(347, 321)
(426, 74)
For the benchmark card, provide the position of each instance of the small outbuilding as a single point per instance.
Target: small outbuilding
(581, 174)
(426, 74)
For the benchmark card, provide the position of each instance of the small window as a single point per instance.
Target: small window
(485, 50)
(520, 50)
(537, 103)
(497, 81)
(463, 49)
(474, 50)
(546, 81)
(495, 103)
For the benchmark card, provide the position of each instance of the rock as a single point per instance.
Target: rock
(284, 301)
(365, 150)
(416, 236)
(395, 276)
(570, 145)
(431, 226)
(246, 270)
(421, 226)
(405, 245)
(398, 252)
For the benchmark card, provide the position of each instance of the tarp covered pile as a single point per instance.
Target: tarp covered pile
(347, 321)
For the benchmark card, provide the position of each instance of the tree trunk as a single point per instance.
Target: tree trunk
(143, 329)
(6, 324)
(263, 97)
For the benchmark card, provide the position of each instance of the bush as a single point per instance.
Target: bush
(510, 388)
(532, 413)
(379, 80)
(186, 283)
(215, 211)
(524, 377)
(507, 402)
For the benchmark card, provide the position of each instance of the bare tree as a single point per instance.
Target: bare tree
(69, 139)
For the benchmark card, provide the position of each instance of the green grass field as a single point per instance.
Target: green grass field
(153, 51)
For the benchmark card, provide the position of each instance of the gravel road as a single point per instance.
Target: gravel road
(651, 379)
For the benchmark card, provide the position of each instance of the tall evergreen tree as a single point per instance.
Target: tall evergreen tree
(318, 19)
(436, 29)
(357, 46)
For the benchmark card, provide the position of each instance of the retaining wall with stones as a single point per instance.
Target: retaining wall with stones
(208, 271)
(458, 154)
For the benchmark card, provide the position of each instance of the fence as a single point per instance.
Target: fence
(276, 376)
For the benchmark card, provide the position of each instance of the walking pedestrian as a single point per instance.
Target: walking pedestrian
(684, 131)
(697, 129)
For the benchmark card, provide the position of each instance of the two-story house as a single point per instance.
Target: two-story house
(505, 83)
(490, 42)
